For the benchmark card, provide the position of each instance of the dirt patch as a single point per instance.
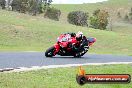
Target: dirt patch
(18, 27)
(33, 19)
(125, 50)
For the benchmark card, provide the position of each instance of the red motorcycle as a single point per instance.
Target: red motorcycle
(63, 47)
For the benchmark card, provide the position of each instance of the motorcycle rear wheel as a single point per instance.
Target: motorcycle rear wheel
(77, 55)
(50, 52)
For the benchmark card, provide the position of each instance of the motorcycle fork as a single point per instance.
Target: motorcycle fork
(57, 49)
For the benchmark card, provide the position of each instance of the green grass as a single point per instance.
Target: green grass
(112, 6)
(20, 32)
(62, 78)
(90, 7)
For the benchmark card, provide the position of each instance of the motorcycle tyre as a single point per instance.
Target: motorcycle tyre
(50, 50)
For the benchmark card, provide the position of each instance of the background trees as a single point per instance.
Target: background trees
(52, 13)
(2, 4)
(78, 18)
(99, 20)
(30, 5)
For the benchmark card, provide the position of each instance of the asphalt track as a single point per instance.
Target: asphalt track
(29, 59)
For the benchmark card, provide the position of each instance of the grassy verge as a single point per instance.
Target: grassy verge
(90, 7)
(62, 78)
(112, 6)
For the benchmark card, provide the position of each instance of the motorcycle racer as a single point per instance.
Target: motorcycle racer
(70, 44)
(77, 41)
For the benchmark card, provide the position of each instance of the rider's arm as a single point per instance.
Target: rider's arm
(84, 42)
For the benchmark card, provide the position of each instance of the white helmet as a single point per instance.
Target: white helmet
(79, 36)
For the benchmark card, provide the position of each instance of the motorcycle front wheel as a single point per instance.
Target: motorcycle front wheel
(50, 52)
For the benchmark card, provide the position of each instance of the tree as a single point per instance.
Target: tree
(24, 6)
(20, 5)
(103, 19)
(52, 13)
(99, 20)
(2, 3)
(126, 18)
(119, 15)
(78, 18)
(94, 22)
(130, 14)
(31, 6)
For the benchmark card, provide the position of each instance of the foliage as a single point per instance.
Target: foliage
(31, 6)
(24, 6)
(99, 20)
(52, 13)
(38, 6)
(78, 18)
(119, 15)
(130, 15)
(20, 5)
(2, 4)
(41, 7)
(94, 22)
(96, 12)
(126, 18)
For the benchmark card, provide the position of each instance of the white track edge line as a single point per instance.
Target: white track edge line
(63, 66)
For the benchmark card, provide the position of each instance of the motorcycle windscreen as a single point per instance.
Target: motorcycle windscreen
(63, 44)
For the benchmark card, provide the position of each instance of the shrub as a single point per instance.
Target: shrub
(94, 22)
(41, 7)
(33, 7)
(15, 5)
(24, 6)
(2, 3)
(78, 18)
(52, 13)
(20, 5)
(126, 18)
(119, 15)
(96, 12)
(99, 20)
(130, 14)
